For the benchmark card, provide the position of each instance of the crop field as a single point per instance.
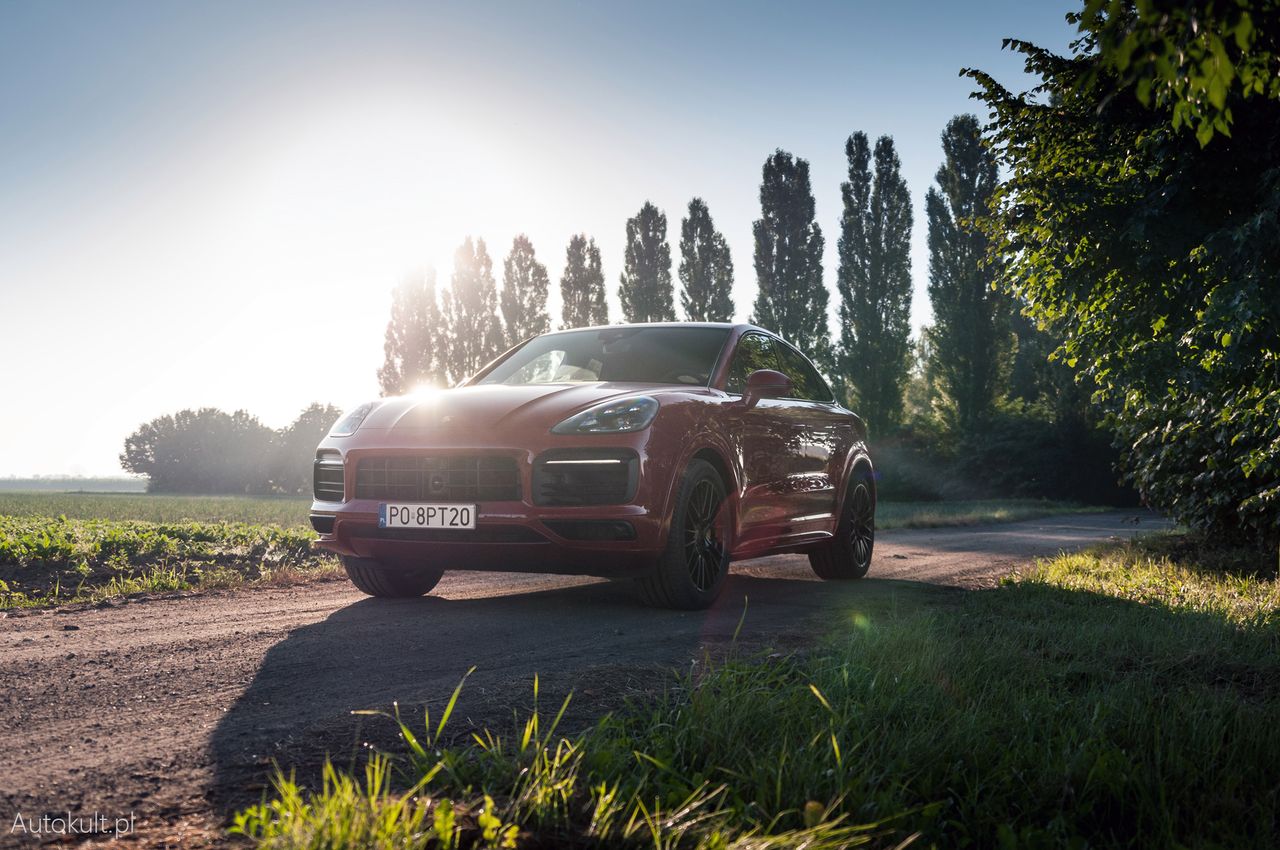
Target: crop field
(82, 547)
(74, 547)
(54, 560)
(74, 484)
(287, 512)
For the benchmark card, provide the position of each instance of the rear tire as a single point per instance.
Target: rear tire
(848, 554)
(693, 566)
(389, 582)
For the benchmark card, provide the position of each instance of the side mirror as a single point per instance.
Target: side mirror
(765, 383)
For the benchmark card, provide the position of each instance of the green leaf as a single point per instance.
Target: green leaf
(1244, 32)
(1204, 133)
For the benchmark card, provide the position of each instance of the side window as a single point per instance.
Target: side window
(806, 382)
(754, 352)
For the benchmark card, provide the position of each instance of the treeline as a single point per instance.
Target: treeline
(442, 339)
(211, 451)
(976, 384)
(1140, 224)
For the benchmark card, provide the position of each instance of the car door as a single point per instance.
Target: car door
(819, 436)
(762, 437)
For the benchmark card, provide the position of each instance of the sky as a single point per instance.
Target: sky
(208, 204)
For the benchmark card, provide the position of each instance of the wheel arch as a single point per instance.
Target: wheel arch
(862, 459)
(705, 449)
(859, 458)
(713, 457)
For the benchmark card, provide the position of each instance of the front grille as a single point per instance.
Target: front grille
(438, 478)
(327, 480)
(565, 477)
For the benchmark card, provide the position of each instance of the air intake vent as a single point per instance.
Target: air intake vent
(443, 478)
(592, 529)
(327, 478)
(481, 534)
(566, 477)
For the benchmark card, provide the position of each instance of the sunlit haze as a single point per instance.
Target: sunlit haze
(209, 204)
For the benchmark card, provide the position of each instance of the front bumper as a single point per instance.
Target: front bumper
(507, 537)
(609, 540)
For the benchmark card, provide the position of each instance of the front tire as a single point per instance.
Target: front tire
(694, 564)
(848, 554)
(389, 582)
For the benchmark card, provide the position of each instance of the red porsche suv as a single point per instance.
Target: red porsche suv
(654, 452)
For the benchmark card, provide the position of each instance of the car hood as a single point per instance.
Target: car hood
(496, 406)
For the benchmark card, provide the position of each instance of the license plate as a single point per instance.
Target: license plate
(392, 515)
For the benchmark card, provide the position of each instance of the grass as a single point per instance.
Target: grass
(53, 560)
(1122, 697)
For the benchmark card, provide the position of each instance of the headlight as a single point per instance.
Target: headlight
(352, 419)
(612, 417)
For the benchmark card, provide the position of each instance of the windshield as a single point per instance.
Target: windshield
(657, 355)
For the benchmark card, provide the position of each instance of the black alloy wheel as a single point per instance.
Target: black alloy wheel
(704, 544)
(847, 555)
(862, 524)
(692, 568)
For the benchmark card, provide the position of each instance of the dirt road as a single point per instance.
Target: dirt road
(173, 709)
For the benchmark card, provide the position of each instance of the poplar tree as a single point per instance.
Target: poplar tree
(706, 268)
(582, 285)
(411, 346)
(524, 293)
(645, 289)
(970, 331)
(875, 283)
(471, 323)
(792, 300)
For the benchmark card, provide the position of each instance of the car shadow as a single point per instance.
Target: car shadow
(1048, 646)
(595, 640)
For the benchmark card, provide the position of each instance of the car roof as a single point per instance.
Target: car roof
(729, 325)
